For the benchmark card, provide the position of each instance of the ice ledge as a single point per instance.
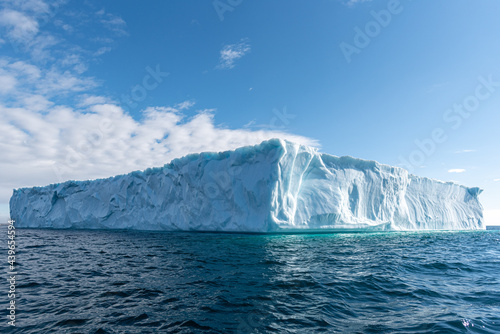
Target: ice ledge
(274, 186)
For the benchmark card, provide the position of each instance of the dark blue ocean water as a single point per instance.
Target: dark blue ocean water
(143, 282)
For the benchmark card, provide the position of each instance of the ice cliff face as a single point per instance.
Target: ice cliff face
(274, 186)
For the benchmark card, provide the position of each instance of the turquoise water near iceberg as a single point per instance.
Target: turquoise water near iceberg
(84, 281)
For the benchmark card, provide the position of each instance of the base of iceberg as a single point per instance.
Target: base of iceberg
(277, 186)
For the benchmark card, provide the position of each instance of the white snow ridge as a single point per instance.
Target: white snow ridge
(277, 186)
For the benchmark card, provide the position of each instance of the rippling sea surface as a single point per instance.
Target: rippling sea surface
(147, 282)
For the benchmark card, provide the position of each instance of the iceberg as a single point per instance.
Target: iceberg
(276, 186)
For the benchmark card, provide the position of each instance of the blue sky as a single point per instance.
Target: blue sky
(92, 89)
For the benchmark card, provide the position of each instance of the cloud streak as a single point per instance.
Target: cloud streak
(231, 53)
(465, 151)
(457, 170)
(18, 26)
(351, 3)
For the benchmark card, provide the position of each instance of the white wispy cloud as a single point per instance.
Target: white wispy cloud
(23, 23)
(7, 82)
(102, 50)
(45, 66)
(66, 27)
(88, 100)
(465, 151)
(456, 170)
(37, 7)
(496, 180)
(36, 103)
(18, 26)
(231, 53)
(112, 22)
(353, 2)
(23, 78)
(185, 105)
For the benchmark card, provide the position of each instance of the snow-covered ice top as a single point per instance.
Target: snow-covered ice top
(272, 187)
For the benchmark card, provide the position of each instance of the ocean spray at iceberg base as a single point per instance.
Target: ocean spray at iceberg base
(277, 186)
